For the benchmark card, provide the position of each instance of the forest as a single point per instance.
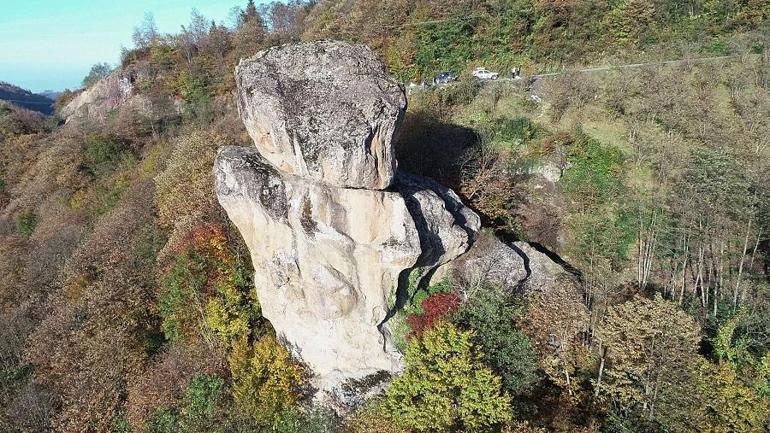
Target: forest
(126, 296)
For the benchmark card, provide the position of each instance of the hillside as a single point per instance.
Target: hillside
(24, 98)
(187, 248)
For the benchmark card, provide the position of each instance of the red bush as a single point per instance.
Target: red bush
(435, 308)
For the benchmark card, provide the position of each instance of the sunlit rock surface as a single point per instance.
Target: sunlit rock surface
(326, 111)
(332, 229)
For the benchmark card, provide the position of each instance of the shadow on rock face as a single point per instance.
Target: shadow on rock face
(432, 148)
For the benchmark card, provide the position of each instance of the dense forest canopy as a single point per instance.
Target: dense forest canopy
(126, 296)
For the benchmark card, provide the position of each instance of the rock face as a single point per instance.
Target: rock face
(329, 243)
(326, 111)
(326, 260)
(446, 227)
(515, 266)
(113, 91)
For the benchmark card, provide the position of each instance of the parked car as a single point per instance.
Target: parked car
(485, 74)
(412, 86)
(445, 77)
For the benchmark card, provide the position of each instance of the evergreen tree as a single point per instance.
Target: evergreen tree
(250, 13)
(251, 31)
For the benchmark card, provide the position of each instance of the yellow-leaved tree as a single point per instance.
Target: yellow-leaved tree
(446, 386)
(651, 356)
(266, 381)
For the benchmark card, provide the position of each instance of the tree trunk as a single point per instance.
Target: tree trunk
(740, 266)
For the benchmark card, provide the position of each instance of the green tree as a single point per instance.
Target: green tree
(505, 349)
(250, 13)
(730, 404)
(97, 72)
(199, 404)
(445, 385)
(251, 31)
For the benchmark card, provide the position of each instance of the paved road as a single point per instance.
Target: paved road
(605, 68)
(639, 65)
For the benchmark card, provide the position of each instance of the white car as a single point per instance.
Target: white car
(485, 74)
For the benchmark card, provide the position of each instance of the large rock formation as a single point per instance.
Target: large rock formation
(326, 260)
(109, 93)
(332, 230)
(326, 111)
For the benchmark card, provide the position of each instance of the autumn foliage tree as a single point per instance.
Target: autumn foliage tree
(266, 381)
(445, 386)
(434, 308)
(650, 356)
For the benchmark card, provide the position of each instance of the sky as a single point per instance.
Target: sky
(52, 44)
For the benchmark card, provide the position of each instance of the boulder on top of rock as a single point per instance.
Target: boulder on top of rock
(326, 111)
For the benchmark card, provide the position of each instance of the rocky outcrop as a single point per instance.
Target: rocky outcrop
(326, 261)
(332, 229)
(109, 93)
(325, 111)
(515, 266)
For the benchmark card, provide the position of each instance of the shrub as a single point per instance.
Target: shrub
(516, 131)
(180, 301)
(314, 420)
(167, 380)
(199, 403)
(446, 386)
(103, 153)
(120, 424)
(94, 337)
(434, 308)
(65, 98)
(398, 324)
(596, 171)
(197, 412)
(25, 223)
(164, 421)
(184, 193)
(208, 290)
(372, 417)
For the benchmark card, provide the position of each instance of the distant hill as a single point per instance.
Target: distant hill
(50, 94)
(25, 98)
